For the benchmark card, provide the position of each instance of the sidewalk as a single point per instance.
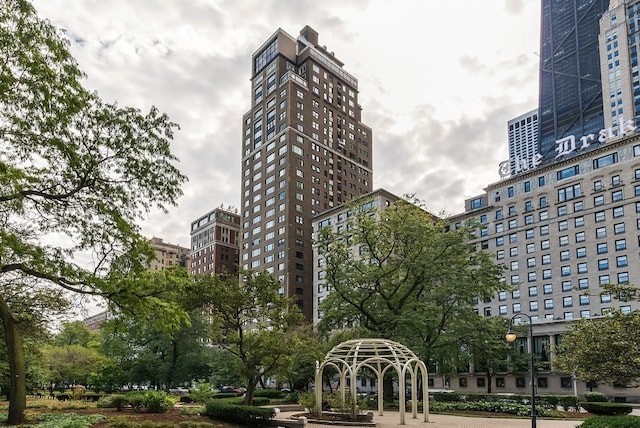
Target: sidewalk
(392, 419)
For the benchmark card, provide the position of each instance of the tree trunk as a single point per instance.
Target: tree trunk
(251, 388)
(17, 371)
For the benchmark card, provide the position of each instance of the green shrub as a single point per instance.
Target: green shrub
(308, 401)
(291, 397)
(220, 395)
(612, 422)
(487, 406)
(63, 396)
(269, 393)
(609, 409)
(136, 400)
(257, 401)
(157, 402)
(245, 415)
(595, 397)
(117, 401)
(445, 396)
(570, 403)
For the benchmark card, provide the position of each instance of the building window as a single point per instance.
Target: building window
(602, 248)
(580, 237)
(616, 196)
(618, 228)
(569, 192)
(566, 285)
(583, 283)
(533, 291)
(567, 301)
(533, 305)
(564, 256)
(547, 288)
(548, 303)
(621, 261)
(598, 201)
(562, 210)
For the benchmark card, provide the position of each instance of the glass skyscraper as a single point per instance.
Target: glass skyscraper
(570, 100)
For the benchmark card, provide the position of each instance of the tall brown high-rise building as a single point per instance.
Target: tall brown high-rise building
(304, 150)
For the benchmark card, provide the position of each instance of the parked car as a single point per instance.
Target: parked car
(231, 390)
(178, 390)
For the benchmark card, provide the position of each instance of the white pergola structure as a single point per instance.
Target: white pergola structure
(378, 355)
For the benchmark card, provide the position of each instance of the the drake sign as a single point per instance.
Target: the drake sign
(567, 145)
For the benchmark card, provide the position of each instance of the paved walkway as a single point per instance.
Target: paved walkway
(392, 419)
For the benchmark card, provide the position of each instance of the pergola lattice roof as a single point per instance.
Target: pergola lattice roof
(379, 355)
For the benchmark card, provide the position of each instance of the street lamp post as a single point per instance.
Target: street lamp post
(511, 336)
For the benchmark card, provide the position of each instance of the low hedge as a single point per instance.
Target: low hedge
(150, 401)
(269, 393)
(609, 409)
(245, 415)
(612, 422)
(595, 397)
(487, 406)
(257, 401)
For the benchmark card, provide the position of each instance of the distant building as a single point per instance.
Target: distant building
(337, 219)
(168, 254)
(570, 100)
(522, 134)
(215, 243)
(94, 321)
(619, 42)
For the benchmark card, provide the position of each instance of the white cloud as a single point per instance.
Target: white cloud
(438, 82)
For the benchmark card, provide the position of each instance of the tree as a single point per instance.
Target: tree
(607, 349)
(76, 333)
(73, 364)
(76, 174)
(162, 357)
(603, 350)
(402, 274)
(254, 323)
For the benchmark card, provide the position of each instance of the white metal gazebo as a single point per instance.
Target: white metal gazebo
(379, 356)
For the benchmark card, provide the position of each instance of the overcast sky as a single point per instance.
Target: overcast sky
(438, 81)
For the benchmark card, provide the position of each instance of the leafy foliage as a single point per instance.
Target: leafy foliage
(255, 323)
(605, 350)
(76, 174)
(487, 406)
(609, 409)
(403, 274)
(612, 422)
(60, 420)
(245, 415)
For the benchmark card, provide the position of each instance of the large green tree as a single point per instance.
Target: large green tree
(402, 274)
(602, 350)
(255, 323)
(159, 356)
(605, 349)
(76, 173)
